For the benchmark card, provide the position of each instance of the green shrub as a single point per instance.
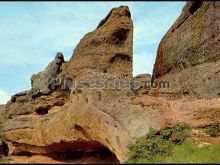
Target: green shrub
(211, 130)
(171, 146)
(179, 132)
(166, 134)
(154, 147)
(149, 149)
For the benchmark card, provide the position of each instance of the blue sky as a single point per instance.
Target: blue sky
(32, 32)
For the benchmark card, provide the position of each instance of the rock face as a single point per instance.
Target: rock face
(85, 120)
(189, 49)
(108, 49)
(40, 81)
(39, 103)
(41, 98)
(85, 123)
(143, 85)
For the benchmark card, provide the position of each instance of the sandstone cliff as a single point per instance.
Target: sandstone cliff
(188, 55)
(84, 119)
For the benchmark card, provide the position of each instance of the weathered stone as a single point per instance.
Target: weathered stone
(41, 80)
(109, 119)
(108, 49)
(142, 83)
(188, 55)
(86, 114)
(26, 104)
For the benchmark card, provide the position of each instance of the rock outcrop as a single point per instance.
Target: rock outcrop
(188, 55)
(41, 98)
(39, 103)
(108, 49)
(40, 81)
(142, 83)
(86, 120)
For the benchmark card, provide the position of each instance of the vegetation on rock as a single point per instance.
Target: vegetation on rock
(211, 130)
(3, 145)
(171, 146)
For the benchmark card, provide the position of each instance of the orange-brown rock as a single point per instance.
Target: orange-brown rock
(87, 123)
(107, 49)
(142, 83)
(27, 104)
(43, 121)
(188, 55)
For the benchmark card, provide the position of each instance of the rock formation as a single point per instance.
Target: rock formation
(84, 119)
(142, 83)
(40, 99)
(56, 121)
(40, 81)
(108, 49)
(188, 55)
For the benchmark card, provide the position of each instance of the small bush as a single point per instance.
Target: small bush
(149, 148)
(154, 147)
(211, 130)
(179, 132)
(166, 134)
(162, 147)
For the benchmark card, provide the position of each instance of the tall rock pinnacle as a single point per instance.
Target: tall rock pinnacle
(107, 49)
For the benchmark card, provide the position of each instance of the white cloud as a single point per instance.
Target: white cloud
(4, 97)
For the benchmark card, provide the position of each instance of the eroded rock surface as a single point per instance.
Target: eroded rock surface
(188, 55)
(142, 83)
(108, 49)
(40, 81)
(44, 121)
